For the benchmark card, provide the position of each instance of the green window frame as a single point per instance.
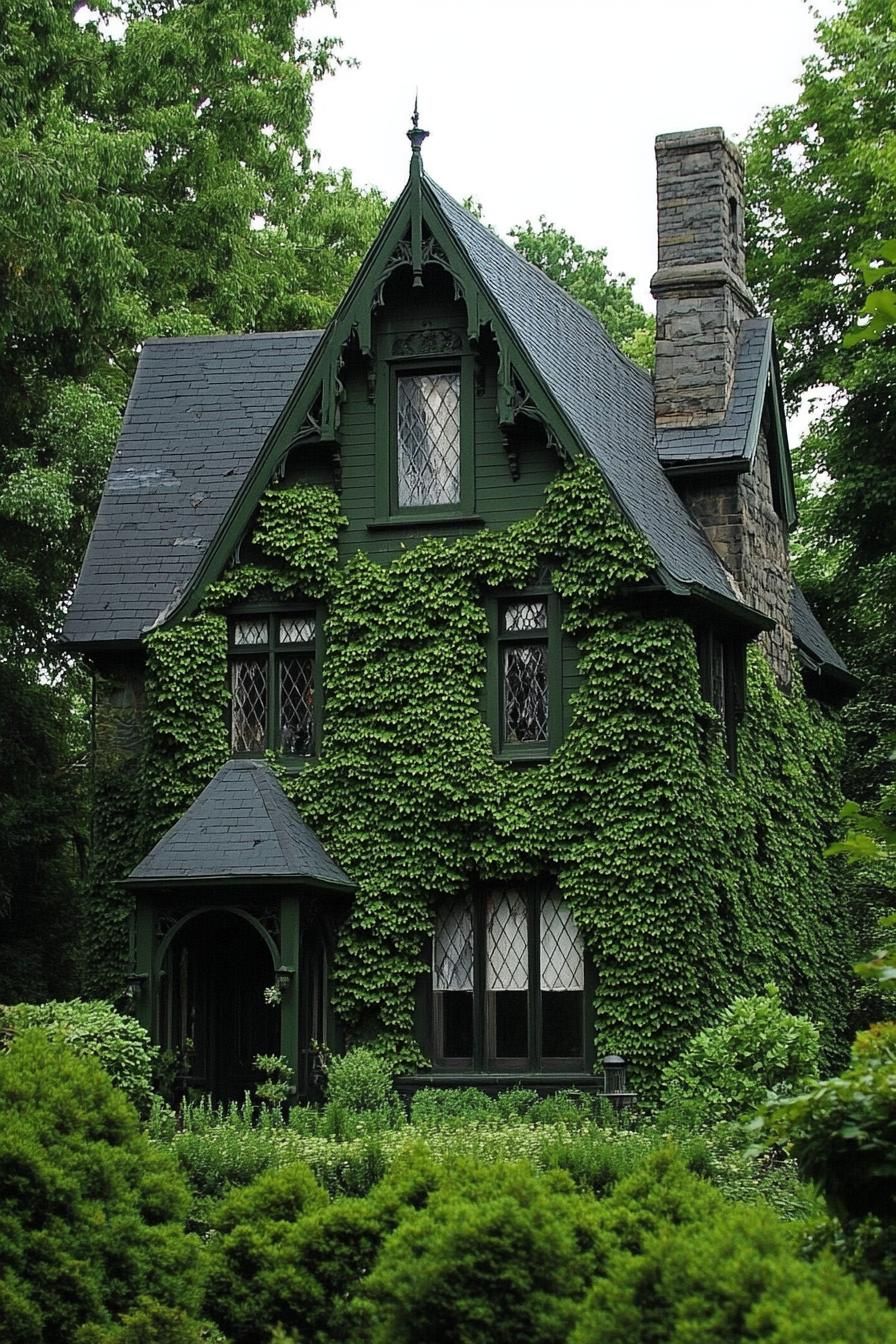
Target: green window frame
(274, 660)
(723, 680)
(524, 692)
(511, 984)
(430, 377)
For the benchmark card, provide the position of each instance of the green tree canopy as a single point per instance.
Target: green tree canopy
(821, 174)
(583, 273)
(155, 179)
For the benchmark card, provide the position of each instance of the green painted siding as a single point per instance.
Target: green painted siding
(498, 498)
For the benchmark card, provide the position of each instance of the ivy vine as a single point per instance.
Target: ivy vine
(690, 885)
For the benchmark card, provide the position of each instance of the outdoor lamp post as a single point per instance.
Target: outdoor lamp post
(614, 1075)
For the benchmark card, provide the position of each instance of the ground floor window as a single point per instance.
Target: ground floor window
(508, 982)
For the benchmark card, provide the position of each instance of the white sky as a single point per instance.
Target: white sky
(551, 107)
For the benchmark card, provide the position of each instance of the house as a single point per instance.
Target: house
(451, 686)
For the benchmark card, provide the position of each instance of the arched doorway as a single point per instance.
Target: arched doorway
(212, 1009)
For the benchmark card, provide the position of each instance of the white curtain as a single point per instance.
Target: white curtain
(507, 941)
(452, 946)
(562, 950)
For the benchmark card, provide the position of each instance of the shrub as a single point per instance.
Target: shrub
(96, 1030)
(359, 1081)
(281, 1255)
(151, 1323)
(91, 1215)
(756, 1047)
(497, 1253)
(688, 1266)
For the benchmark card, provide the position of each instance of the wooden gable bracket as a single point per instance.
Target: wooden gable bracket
(515, 402)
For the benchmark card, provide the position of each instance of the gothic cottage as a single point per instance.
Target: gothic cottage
(451, 687)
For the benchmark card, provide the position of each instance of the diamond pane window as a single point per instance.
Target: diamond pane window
(296, 705)
(530, 614)
(428, 439)
(562, 950)
(297, 630)
(248, 689)
(525, 693)
(452, 947)
(507, 941)
(253, 631)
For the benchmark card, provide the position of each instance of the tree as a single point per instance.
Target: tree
(583, 273)
(821, 175)
(155, 179)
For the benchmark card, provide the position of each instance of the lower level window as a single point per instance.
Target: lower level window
(272, 684)
(508, 982)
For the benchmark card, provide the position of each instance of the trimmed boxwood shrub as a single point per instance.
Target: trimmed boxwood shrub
(91, 1214)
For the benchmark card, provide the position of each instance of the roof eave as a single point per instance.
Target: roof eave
(230, 880)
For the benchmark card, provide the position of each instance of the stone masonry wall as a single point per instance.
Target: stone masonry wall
(739, 517)
(699, 284)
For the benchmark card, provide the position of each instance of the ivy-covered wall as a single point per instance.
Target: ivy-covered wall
(690, 885)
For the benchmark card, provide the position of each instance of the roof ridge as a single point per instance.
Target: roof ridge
(564, 294)
(194, 338)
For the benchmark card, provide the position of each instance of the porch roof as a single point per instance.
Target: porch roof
(241, 828)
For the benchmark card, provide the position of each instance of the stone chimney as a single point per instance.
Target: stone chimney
(699, 286)
(702, 300)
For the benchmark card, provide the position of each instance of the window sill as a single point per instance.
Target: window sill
(430, 522)
(523, 757)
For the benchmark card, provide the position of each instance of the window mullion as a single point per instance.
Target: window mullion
(273, 705)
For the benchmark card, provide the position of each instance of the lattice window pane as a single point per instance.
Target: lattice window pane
(531, 614)
(507, 941)
(297, 705)
(297, 630)
(248, 689)
(526, 693)
(428, 439)
(252, 631)
(562, 949)
(452, 947)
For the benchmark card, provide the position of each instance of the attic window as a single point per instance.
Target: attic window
(428, 438)
(272, 684)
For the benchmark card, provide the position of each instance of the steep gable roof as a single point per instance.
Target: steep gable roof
(605, 398)
(815, 649)
(241, 827)
(197, 417)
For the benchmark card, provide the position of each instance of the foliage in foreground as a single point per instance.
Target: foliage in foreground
(93, 1030)
(755, 1047)
(497, 1252)
(91, 1213)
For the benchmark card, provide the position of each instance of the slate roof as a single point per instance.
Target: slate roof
(242, 826)
(198, 414)
(736, 438)
(812, 641)
(606, 398)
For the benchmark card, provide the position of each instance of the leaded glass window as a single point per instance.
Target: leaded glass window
(428, 439)
(523, 641)
(508, 976)
(452, 980)
(272, 684)
(249, 696)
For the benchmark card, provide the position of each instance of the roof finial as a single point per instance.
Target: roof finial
(415, 135)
